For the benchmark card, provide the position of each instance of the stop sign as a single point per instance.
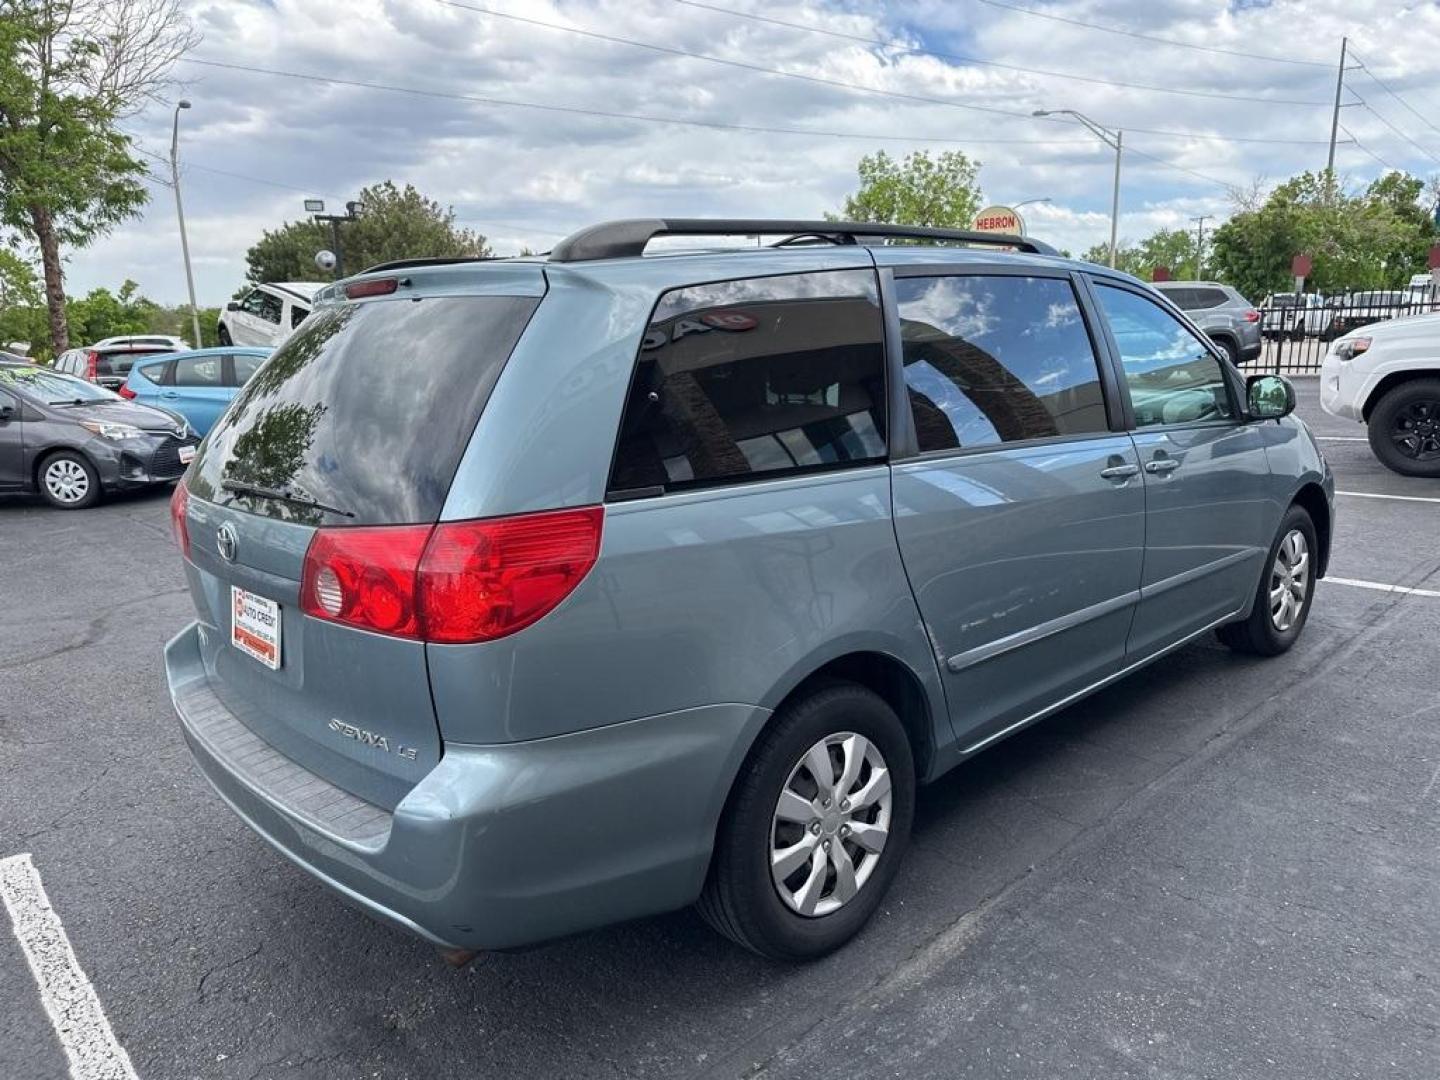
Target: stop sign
(1300, 266)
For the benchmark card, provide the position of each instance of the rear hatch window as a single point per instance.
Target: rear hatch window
(118, 364)
(364, 413)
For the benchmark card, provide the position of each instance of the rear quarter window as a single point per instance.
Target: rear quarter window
(366, 409)
(755, 378)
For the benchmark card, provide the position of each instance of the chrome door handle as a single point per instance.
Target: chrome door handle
(1119, 472)
(1162, 465)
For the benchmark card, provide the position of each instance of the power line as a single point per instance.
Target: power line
(1378, 116)
(1014, 113)
(1366, 150)
(1180, 168)
(614, 115)
(671, 50)
(1376, 79)
(961, 58)
(1154, 38)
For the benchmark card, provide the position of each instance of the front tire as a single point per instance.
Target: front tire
(222, 335)
(1282, 599)
(815, 827)
(68, 481)
(1405, 428)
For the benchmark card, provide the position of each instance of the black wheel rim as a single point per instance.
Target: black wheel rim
(1415, 430)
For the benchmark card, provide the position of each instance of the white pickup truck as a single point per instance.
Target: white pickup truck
(1387, 376)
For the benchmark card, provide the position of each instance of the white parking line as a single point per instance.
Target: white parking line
(1342, 438)
(66, 993)
(1380, 586)
(1401, 498)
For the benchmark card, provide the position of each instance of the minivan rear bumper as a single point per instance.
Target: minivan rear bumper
(497, 846)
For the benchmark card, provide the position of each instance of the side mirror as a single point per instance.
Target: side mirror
(1269, 397)
(233, 305)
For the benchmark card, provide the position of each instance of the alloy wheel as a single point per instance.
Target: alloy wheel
(1416, 430)
(831, 823)
(1289, 580)
(66, 481)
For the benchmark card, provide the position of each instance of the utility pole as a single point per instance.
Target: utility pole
(1200, 244)
(180, 213)
(1335, 116)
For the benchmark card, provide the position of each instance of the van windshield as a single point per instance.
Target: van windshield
(366, 410)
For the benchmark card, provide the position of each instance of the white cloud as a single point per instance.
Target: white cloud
(525, 176)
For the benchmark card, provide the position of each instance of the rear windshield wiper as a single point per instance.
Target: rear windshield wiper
(279, 495)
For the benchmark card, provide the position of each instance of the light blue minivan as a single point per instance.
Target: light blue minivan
(537, 594)
(197, 384)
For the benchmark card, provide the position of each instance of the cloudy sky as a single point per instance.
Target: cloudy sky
(509, 110)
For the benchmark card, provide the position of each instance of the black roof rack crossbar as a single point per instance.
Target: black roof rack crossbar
(617, 239)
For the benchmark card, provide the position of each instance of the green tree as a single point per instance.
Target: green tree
(1171, 248)
(394, 223)
(22, 312)
(941, 192)
(1375, 238)
(101, 313)
(69, 70)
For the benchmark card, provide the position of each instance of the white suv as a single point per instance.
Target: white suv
(267, 314)
(1387, 376)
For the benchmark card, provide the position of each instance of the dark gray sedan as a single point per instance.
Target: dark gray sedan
(70, 439)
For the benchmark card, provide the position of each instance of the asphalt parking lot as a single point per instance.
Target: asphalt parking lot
(1221, 867)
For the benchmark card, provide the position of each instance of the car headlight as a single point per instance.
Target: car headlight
(111, 431)
(1350, 348)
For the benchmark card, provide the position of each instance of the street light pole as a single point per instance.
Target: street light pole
(180, 214)
(1114, 139)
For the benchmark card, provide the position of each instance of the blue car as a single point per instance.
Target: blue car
(198, 385)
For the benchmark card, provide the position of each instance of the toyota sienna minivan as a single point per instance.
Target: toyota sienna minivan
(536, 594)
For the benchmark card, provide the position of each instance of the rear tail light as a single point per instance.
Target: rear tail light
(1252, 315)
(456, 582)
(92, 362)
(179, 504)
(126, 392)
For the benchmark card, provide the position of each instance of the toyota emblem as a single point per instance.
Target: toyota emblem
(226, 542)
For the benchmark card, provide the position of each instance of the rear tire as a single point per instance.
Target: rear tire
(1405, 428)
(1228, 348)
(68, 481)
(831, 848)
(1282, 599)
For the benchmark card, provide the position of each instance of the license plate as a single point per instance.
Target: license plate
(187, 455)
(255, 626)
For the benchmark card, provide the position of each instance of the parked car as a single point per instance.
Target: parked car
(1293, 315)
(1422, 295)
(70, 440)
(1228, 318)
(198, 385)
(166, 341)
(267, 314)
(1363, 308)
(646, 581)
(106, 365)
(1387, 376)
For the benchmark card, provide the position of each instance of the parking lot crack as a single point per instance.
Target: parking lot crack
(200, 986)
(94, 631)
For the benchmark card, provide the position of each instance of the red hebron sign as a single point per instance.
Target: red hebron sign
(999, 219)
(1300, 266)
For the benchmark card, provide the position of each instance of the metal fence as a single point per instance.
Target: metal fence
(1297, 328)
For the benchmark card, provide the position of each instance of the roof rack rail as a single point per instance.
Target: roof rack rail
(432, 260)
(617, 239)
